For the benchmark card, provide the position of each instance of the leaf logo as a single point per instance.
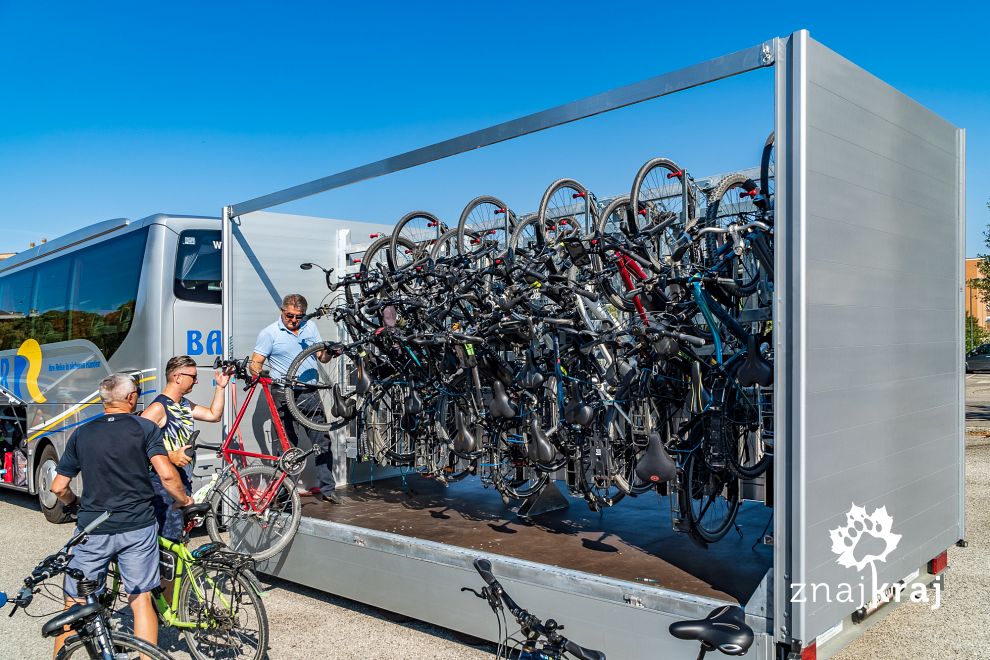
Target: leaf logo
(859, 525)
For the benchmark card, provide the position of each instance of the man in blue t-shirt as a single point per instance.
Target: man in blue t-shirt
(279, 344)
(112, 453)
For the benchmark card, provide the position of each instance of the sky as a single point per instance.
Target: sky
(116, 109)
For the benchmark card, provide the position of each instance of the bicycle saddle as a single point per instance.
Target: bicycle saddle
(577, 411)
(342, 406)
(413, 404)
(530, 377)
(75, 613)
(363, 381)
(501, 406)
(464, 441)
(539, 447)
(655, 465)
(724, 629)
(194, 510)
(755, 369)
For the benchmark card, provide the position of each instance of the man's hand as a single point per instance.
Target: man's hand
(179, 457)
(179, 504)
(222, 377)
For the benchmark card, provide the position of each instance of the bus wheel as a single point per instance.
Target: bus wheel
(50, 505)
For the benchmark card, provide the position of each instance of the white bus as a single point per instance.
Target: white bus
(117, 296)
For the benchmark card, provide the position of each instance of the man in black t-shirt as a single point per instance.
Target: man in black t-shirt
(113, 452)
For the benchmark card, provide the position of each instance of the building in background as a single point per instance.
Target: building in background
(975, 307)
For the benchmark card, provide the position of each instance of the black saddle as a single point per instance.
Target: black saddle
(724, 629)
(577, 411)
(194, 510)
(530, 377)
(655, 465)
(464, 441)
(755, 370)
(362, 382)
(539, 447)
(77, 612)
(501, 406)
(342, 406)
(413, 404)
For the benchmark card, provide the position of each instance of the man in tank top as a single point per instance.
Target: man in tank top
(177, 416)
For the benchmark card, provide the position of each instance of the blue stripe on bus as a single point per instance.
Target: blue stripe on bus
(79, 423)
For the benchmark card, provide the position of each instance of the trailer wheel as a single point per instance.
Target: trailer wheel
(44, 474)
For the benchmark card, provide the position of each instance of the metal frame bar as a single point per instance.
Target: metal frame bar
(749, 59)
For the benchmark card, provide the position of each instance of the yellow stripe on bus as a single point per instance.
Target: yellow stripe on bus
(74, 410)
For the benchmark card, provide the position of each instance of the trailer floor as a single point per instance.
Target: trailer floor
(632, 541)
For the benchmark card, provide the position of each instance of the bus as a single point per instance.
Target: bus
(117, 296)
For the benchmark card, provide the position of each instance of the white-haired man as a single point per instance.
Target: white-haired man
(112, 452)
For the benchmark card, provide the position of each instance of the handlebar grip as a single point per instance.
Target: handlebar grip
(484, 568)
(102, 518)
(690, 339)
(582, 653)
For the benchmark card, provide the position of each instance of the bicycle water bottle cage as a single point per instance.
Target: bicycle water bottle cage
(530, 377)
(655, 465)
(755, 369)
(363, 381)
(342, 407)
(724, 629)
(539, 447)
(501, 406)
(464, 442)
(413, 404)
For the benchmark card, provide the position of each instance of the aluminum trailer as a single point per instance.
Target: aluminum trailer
(869, 374)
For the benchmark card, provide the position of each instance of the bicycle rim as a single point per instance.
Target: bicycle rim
(257, 515)
(230, 617)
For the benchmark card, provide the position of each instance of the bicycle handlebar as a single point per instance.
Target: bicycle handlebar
(531, 621)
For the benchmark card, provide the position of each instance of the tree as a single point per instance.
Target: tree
(976, 334)
(982, 285)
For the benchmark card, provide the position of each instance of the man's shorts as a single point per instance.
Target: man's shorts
(136, 554)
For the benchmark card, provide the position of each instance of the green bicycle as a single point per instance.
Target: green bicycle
(209, 594)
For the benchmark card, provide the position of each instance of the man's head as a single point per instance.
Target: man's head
(119, 391)
(293, 310)
(181, 371)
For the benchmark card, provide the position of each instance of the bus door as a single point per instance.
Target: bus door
(196, 319)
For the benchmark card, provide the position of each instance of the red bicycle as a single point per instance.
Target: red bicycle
(253, 497)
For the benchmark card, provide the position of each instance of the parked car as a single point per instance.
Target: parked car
(978, 359)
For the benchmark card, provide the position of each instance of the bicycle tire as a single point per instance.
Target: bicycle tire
(664, 190)
(768, 174)
(736, 418)
(722, 211)
(192, 606)
(472, 225)
(122, 642)
(612, 221)
(408, 234)
(696, 472)
(226, 507)
(325, 382)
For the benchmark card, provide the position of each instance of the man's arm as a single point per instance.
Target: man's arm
(156, 413)
(257, 361)
(215, 411)
(170, 480)
(60, 488)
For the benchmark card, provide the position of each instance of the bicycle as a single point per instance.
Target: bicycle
(259, 500)
(94, 636)
(213, 596)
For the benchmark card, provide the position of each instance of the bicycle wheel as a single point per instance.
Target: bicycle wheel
(374, 266)
(768, 174)
(658, 195)
(125, 647)
(484, 222)
(256, 514)
(740, 427)
(566, 202)
(417, 231)
(731, 203)
(231, 621)
(610, 224)
(330, 380)
(713, 497)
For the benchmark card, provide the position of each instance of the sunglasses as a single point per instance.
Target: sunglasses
(294, 316)
(195, 377)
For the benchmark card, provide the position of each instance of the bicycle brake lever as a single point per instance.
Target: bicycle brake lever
(476, 593)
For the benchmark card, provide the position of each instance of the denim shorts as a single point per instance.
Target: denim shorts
(136, 554)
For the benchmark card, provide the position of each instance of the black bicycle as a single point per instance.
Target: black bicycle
(94, 637)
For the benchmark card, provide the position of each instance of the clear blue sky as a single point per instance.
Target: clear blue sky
(112, 109)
